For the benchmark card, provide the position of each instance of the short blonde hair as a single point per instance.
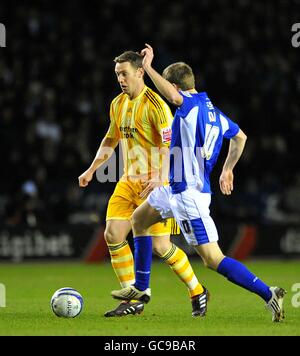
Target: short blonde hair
(180, 74)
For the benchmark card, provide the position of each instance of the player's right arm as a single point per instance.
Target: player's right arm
(164, 86)
(236, 147)
(104, 152)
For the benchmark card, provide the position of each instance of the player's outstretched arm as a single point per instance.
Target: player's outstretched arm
(236, 147)
(104, 152)
(164, 87)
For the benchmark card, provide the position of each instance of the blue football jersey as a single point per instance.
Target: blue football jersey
(197, 134)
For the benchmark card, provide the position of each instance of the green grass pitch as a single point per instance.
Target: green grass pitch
(231, 311)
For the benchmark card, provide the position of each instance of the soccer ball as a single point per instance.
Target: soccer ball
(66, 303)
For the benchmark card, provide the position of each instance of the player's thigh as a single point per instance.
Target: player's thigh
(147, 221)
(143, 217)
(118, 218)
(211, 254)
(121, 204)
(159, 199)
(150, 217)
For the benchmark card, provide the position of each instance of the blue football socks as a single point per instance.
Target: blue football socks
(142, 261)
(238, 274)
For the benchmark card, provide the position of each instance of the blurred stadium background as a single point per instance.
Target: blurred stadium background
(57, 81)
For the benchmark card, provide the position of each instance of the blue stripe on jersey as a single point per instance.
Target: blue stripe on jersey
(200, 160)
(197, 133)
(199, 231)
(176, 161)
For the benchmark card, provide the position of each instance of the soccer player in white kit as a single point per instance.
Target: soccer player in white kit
(198, 130)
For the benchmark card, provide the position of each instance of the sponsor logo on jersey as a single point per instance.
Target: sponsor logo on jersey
(166, 134)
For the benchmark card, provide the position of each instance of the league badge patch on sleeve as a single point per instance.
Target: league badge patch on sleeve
(166, 134)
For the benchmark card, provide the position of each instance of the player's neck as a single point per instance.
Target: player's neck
(140, 87)
(192, 91)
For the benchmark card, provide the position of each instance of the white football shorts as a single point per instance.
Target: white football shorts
(191, 211)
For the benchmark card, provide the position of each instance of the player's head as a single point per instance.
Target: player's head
(180, 75)
(130, 72)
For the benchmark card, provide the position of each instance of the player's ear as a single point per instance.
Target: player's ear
(176, 86)
(140, 72)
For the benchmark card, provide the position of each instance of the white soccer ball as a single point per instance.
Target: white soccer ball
(66, 302)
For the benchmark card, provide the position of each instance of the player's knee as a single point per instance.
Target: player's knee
(111, 237)
(206, 263)
(211, 262)
(160, 248)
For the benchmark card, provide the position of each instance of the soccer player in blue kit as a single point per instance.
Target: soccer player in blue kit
(198, 130)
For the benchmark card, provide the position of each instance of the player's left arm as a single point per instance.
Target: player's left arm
(166, 88)
(236, 148)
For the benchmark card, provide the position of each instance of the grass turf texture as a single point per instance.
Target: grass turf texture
(231, 311)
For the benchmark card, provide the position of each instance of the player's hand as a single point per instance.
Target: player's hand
(85, 178)
(226, 182)
(148, 54)
(148, 187)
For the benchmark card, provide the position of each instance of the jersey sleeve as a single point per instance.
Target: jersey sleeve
(113, 130)
(162, 119)
(229, 128)
(187, 104)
